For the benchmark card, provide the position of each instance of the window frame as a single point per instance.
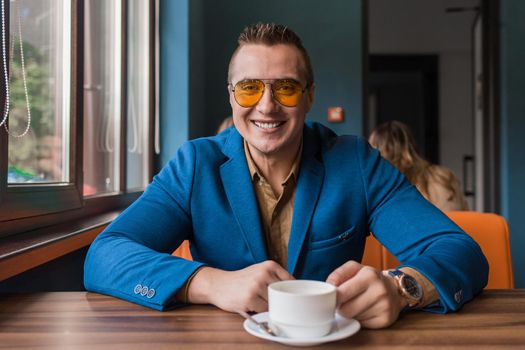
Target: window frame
(26, 207)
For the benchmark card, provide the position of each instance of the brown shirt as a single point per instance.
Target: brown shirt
(276, 212)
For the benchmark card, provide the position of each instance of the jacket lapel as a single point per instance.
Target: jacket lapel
(311, 176)
(239, 190)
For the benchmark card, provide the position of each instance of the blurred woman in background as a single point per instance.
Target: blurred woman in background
(436, 183)
(225, 124)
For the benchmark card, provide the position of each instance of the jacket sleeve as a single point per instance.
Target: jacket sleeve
(420, 235)
(132, 258)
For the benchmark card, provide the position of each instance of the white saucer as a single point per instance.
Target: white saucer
(342, 328)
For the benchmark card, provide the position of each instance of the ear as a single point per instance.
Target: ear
(310, 97)
(230, 94)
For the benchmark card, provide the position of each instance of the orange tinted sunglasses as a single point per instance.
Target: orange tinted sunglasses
(287, 92)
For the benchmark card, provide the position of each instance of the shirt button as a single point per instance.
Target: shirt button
(151, 293)
(144, 291)
(138, 289)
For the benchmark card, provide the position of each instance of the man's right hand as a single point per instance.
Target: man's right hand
(234, 291)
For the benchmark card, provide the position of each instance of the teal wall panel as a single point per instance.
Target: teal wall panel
(174, 76)
(513, 129)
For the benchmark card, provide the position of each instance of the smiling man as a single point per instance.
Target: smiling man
(276, 198)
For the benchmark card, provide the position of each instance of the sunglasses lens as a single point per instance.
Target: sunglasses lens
(248, 92)
(287, 92)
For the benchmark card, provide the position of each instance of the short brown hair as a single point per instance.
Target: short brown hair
(273, 34)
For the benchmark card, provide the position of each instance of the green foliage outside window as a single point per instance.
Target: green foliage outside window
(23, 152)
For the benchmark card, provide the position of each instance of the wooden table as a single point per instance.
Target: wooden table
(79, 320)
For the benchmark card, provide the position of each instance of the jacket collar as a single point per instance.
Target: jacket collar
(236, 176)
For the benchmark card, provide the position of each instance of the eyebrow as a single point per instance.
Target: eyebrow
(271, 79)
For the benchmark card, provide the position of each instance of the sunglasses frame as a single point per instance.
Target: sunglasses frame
(265, 82)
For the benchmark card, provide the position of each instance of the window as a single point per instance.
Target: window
(78, 95)
(102, 95)
(39, 57)
(139, 86)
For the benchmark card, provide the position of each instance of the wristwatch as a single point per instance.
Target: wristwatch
(408, 287)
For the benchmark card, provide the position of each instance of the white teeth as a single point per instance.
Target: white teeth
(266, 125)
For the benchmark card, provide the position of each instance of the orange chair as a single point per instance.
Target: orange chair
(490, 231)
(373, 255)
(183, 251)
(492, 234)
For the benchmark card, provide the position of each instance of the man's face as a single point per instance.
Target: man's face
(269, 128)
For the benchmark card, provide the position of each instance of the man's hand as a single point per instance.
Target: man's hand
(241, 290)
(367, 295)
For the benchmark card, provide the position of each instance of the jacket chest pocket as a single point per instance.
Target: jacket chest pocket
(339, 239)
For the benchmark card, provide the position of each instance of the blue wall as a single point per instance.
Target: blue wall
(174, 76)
(513, 129)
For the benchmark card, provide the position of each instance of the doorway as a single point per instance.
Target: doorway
(405, 88)
(453, 115)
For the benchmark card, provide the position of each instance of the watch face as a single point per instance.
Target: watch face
(411, 287)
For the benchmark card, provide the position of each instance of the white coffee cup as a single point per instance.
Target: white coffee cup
(301, 308)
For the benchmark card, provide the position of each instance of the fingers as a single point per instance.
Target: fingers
(386, 308)
(356, 306)
(264, 274)
(344, 273)
(273, 272)
(373, 299)
(378, 319)
(358, 284)
(347, 280)
(246, 289)
(375, 323)
(257, 304)
(281, 273)
(369, 298)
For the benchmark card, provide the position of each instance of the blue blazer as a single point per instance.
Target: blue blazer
(345, 190)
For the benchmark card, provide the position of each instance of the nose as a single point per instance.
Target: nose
(267, 104)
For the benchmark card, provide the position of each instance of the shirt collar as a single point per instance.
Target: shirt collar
(256, 175)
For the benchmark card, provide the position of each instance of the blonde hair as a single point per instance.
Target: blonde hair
(225, 124)
(395, 142)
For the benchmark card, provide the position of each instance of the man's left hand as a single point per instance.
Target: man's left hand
(367, 295)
